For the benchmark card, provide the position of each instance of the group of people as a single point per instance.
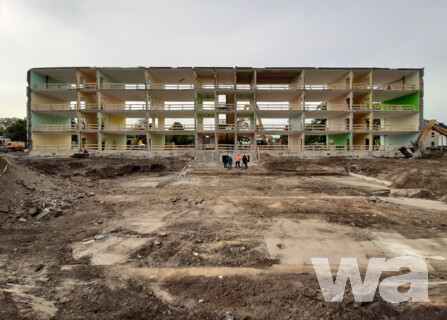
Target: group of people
(227, 160)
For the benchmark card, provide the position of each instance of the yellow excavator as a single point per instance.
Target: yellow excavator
(417, 145)
(432, 125)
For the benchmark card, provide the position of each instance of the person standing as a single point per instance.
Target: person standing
(238, 161)
(225, 160)
(230, 162)
(244, 162)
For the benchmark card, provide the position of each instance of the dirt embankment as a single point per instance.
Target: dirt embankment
(428, 175)
(33, 188)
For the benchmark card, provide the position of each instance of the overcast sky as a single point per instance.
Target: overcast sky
(249, 33)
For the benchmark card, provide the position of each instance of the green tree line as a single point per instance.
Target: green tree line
(13, 128)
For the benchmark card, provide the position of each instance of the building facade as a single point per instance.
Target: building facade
(212, 108)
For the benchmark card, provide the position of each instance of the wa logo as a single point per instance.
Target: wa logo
(416, 278)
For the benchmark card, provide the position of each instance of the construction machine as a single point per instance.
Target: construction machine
(6, 145)
(432, 125)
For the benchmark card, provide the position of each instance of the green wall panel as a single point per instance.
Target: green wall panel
(412, 99)
(339, 139)
(40, 118)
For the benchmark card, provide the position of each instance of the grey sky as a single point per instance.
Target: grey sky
(311, 33)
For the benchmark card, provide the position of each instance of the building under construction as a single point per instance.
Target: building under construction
(341, 110)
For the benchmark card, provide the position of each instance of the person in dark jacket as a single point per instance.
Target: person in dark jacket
(244, 162)
(225, 160)
(230, 162)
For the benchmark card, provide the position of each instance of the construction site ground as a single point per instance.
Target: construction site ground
(173, 238)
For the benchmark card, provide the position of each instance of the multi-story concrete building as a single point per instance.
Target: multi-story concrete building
(349, 109)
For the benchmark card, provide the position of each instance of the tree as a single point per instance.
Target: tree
(13, 128)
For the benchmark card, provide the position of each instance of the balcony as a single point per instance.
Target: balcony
(361, 106)
(394, 128)
(244, 87)
(394, 87)
(360, 127)
(124, 127)
(291, 86)
(174, 127)
(173, 107)
(54, 86)
(277, 107)
(166, 86)
(331, 86)
(56, 148)
(225, 107)
(205, 107)
(361, 86)
(394, 107)
(329, 107)
(89, 127)
(323, 127)
(226, 126)
(206, 127)
(123, 86)
(125, 107)
(87, 85)
(56, 127)
(53, 107)
(278, 127)
(89, 106)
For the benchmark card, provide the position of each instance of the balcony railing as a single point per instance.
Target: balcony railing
(121, 86)
(278, 147)
(394, 128)
(329, 107)
(244, 86)
(169, 86)
(226, 126)
(206, 127)
(394, 107)
(53, 106)
(323, 127)
(176, 127)
(89, 126)
(124, 127)
(361, 86)
(89, 106)
(87, 85)
(331, 86)
(399, 86)
(360, 147)
(205, 86)
(205, 107)
(173, 107)
(225, 86)
(360, 106)
(225, 107)
(55, 148)
(125, 107)
(245, 107)
(360, 127)
(206, 147)
(277, 107)
(54, 86)
(56, 127)
(278, 127)
(89, 147)
(140, 147)
(290, 86)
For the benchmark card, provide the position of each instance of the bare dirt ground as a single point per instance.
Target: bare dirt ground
(108, 238)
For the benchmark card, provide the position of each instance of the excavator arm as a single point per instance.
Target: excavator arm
(432, 125)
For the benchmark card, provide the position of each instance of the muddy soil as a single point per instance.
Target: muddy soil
(169, 239)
